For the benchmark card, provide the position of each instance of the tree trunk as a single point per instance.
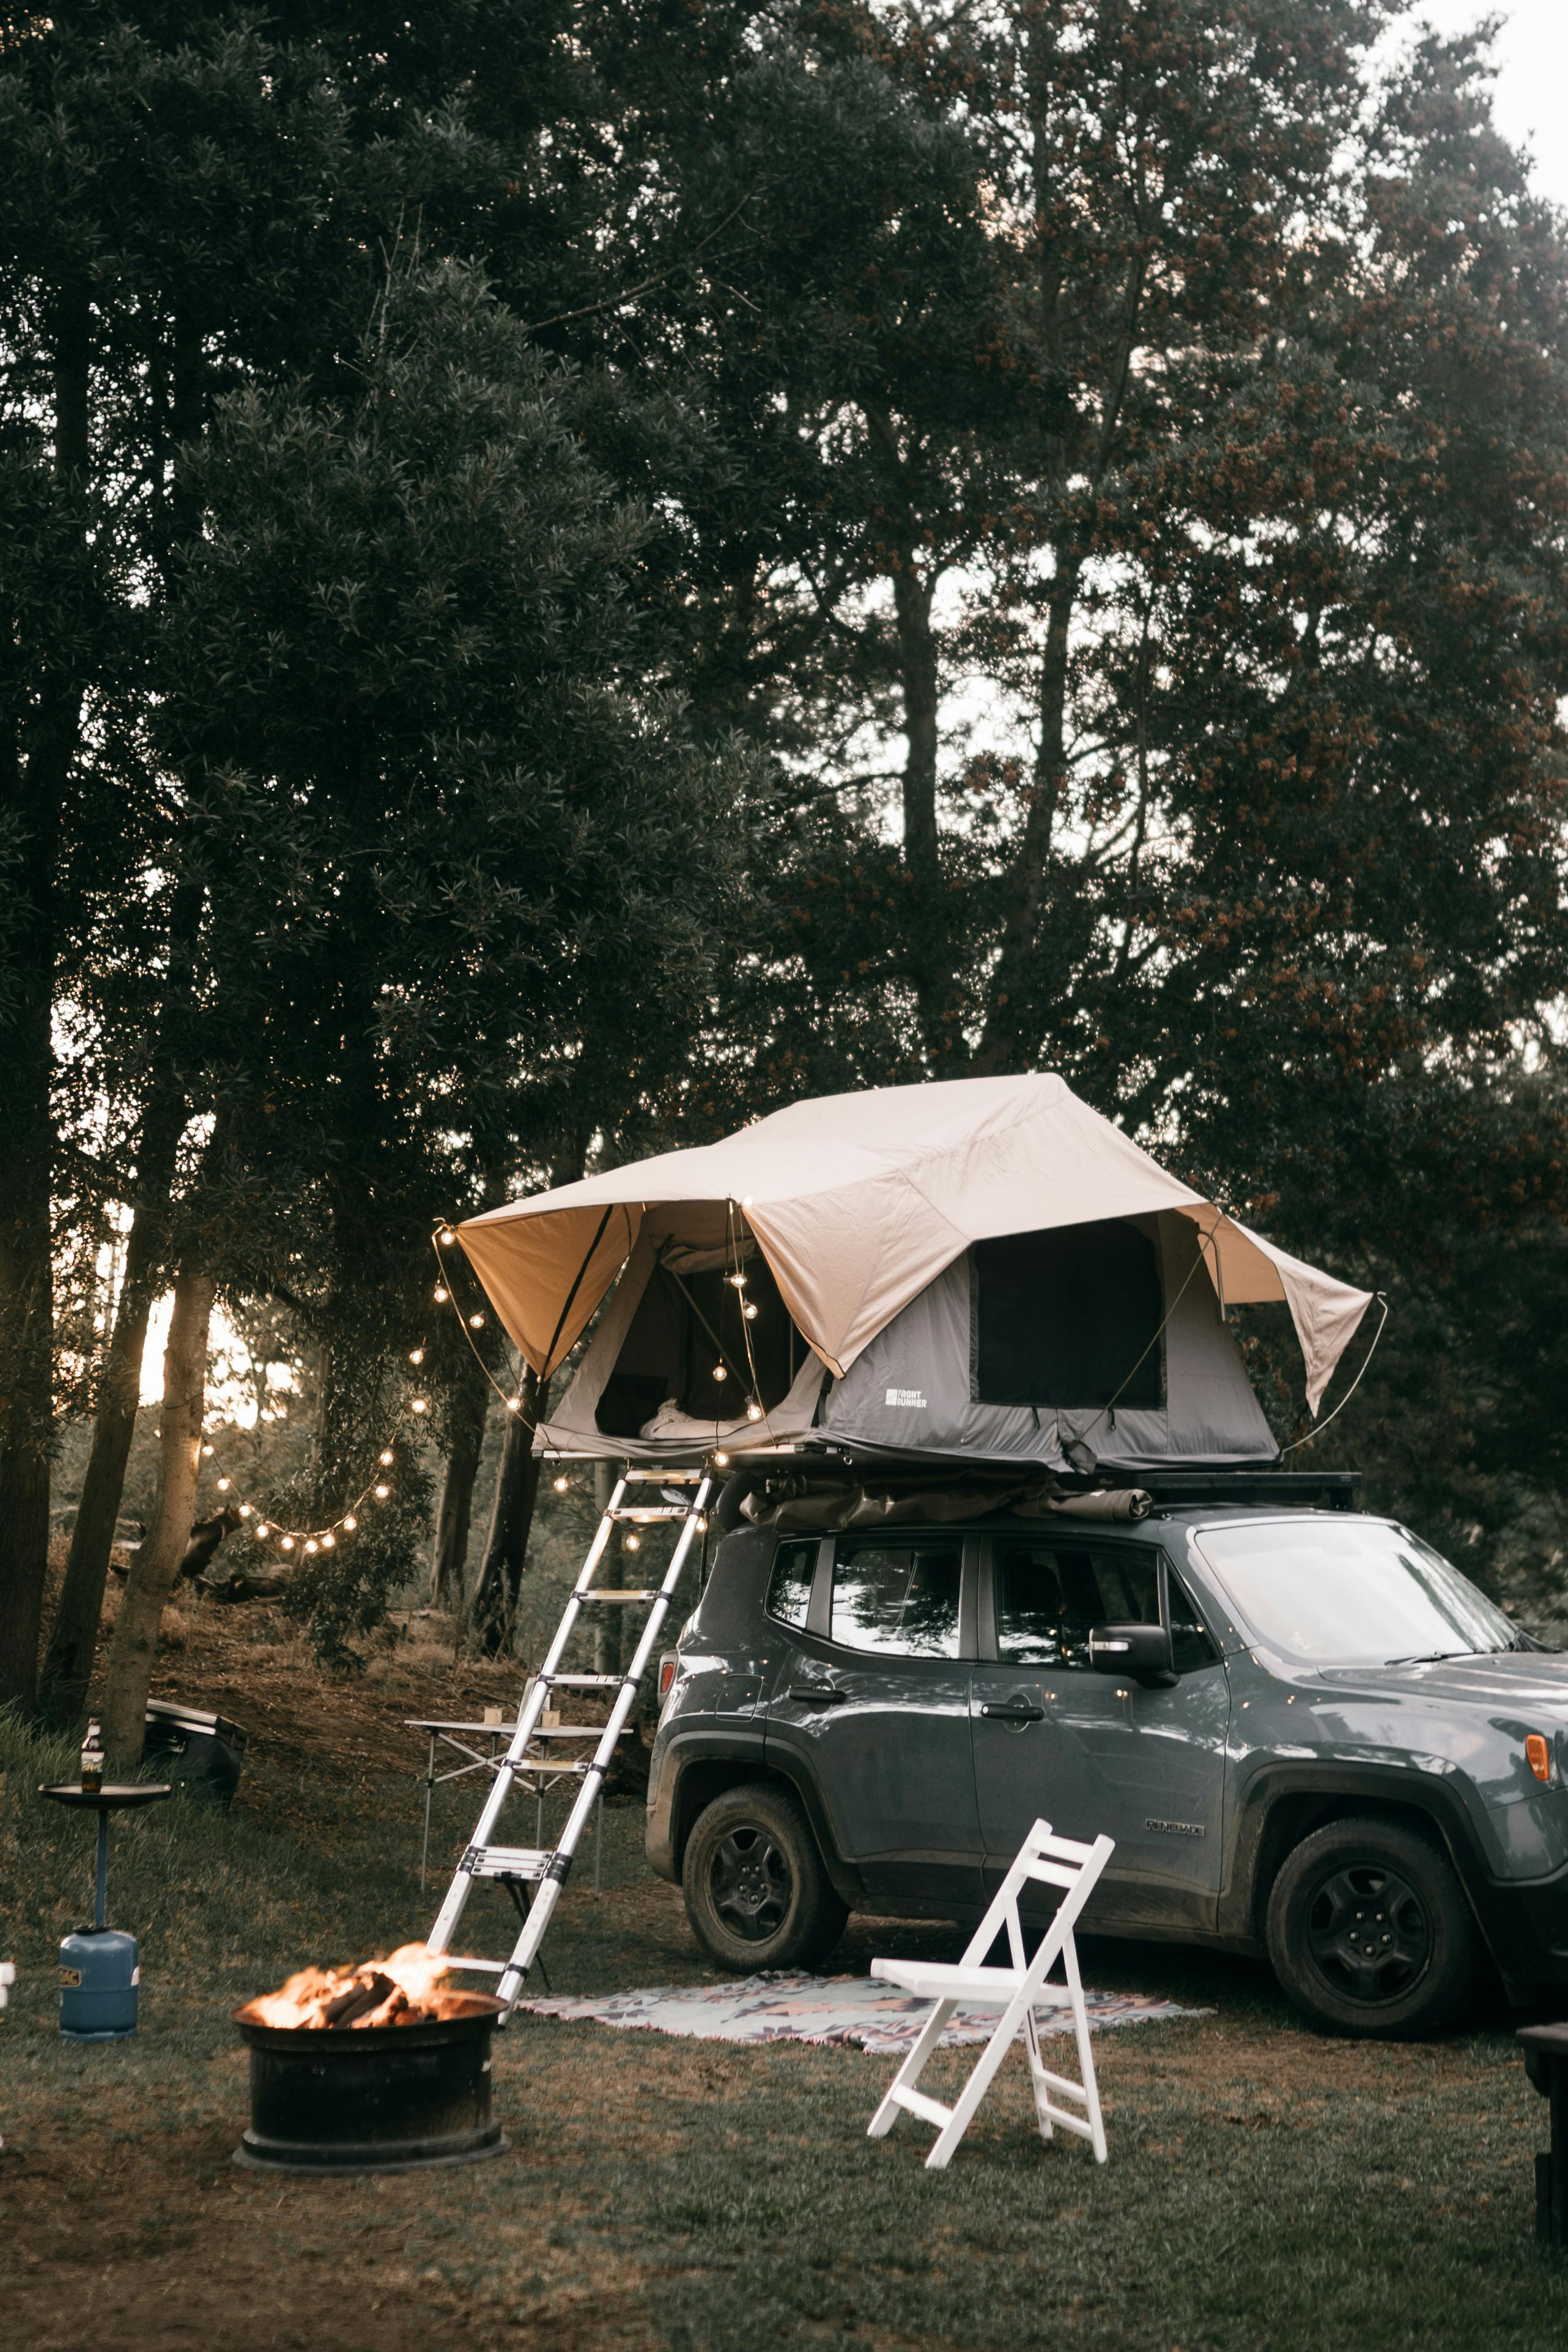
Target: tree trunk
(157, 1564)
(33, 793)
(511, 1519)
(450, 1552)
(67, 1666)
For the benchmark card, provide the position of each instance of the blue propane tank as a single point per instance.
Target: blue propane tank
(99, 1977)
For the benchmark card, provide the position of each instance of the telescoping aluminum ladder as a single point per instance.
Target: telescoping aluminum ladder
(545, 1868)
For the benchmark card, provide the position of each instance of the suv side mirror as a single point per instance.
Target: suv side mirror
(1141, 1652)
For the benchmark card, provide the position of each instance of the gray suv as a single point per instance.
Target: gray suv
(1309, 1735)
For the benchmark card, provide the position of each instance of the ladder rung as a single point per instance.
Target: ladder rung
(574, 1731)
(930, 2111)
(665, 1477)
(600, 1593)
(562, 1772)
(507, 1860)
(643, 1512)
(491, 1968)
(584, 1682)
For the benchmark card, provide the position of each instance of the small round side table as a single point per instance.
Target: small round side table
(100, 1973)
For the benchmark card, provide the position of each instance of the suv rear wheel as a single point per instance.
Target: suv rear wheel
(1369, 1930)
(756, 1893)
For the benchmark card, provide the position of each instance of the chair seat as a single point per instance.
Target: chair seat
(950, 1980)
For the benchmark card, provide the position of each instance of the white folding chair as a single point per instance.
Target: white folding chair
(1017, 1992)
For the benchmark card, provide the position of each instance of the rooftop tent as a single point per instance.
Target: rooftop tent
(983, 1266)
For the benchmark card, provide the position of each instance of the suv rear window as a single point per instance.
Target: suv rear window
(898, 1598)
(789, 1586)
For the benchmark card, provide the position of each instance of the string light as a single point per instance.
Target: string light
(350, 1521)
(311, 1545)
(382, 1493)
(206, 1449)
(419, 1405)
(721, 1372)
(754, 1411)
(448, 1236)
(476, 1322)
(262, 1530)
(222, 1485)
(736, 1281)
(749, 1311)
(561, 1484)
(442, 1294)
(723, 1460)
(385, 1457)
(634, 1543)
(244, 1510)
(288, 1543)
(514, 1404)
(329, 1541)
(416, 1355)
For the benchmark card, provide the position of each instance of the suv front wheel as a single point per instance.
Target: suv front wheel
(756, 1893)
(1369, 1930)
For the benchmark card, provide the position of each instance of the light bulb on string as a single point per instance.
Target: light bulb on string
(448, 1236)
(382, 1493)
(386, 1457)
(260, 1532)
(244, 1510)
(311, 1545)
(416, 1355)
(419, 1405)
(442, 1294)
(349, 1522)
(224, 1484)
(634, 1543)
(476, 1322)
(754, 1411)
(737, 1281)
(206, 1449)
(561, 1484)
(750, 1311)
(328, 1541)
(514, 1404)
(723, 1460)
(721, 1372)
(288, 1543)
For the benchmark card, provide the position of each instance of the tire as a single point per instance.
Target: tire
(1370, 1932)
(756, 1893)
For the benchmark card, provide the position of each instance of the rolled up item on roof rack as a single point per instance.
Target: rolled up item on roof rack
(1109, 1503)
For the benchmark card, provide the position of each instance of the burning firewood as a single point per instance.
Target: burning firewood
(405, 1990)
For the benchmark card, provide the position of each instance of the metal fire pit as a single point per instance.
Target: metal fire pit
(380, 2098)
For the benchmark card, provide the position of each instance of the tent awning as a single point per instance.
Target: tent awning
(860, 1201)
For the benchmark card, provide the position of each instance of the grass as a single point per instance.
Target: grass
(1267, 2187)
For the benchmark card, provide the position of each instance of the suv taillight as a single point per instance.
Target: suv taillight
(666, 1674)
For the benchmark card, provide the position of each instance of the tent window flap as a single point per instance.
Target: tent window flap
(1060, 1317)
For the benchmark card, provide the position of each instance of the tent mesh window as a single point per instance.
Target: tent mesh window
(688, 1325)
(1060, 1317)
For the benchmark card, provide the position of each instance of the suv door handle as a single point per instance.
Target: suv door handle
(1013, 1711)
(816, 1694)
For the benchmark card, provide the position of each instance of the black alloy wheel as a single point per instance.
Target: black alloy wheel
(1369, 1931)
(750, 1883)
(757, 1894)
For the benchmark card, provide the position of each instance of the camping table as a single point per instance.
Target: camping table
(1545, 2051)
(114, 1797)
(538, 1778)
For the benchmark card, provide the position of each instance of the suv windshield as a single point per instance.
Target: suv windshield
(1351, 1592)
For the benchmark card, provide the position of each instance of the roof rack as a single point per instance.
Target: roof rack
(1172, 1488)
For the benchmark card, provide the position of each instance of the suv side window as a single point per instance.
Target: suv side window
(789, 1586)
(898, 1598)
(1047, 1595)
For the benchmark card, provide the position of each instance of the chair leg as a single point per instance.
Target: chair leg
(909, 2072)
(1036, 2073)
(974, 2090)
(1085, 2054)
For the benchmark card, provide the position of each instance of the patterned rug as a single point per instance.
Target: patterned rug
(858, 2012)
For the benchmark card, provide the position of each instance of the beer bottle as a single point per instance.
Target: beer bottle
(92, 1757)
